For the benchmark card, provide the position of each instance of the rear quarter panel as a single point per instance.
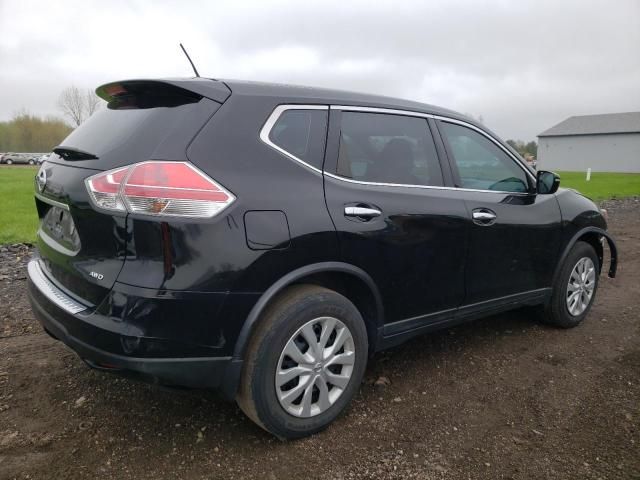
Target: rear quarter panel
(230, 151)
(211, 256)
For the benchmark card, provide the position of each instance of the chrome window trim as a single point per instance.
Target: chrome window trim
(388, 111)
(410, 113)
(430, 187)
(64, 206)
(271, 121)
(49, 290)
(277, 112)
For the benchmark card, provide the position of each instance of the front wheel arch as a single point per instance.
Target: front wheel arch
(592, 236)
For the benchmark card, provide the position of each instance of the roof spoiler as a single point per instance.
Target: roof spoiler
(163, 91)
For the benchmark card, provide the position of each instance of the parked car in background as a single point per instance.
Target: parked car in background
(18, 158)
(42, 158)
(290, 233)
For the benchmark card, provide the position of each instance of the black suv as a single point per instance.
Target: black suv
(264, 240)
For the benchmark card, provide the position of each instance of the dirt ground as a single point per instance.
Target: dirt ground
(502, 397)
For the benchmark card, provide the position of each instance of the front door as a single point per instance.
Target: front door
(514, 234)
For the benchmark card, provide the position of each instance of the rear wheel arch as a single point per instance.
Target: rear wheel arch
(279, 407)
(350, 281)
(355, 290)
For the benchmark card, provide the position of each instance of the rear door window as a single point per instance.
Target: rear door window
(302, 134)
(382, 148)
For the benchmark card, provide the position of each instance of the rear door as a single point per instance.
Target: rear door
(384, 189)
(83, 249)
(514, 233)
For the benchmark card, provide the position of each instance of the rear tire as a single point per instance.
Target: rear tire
(574, 289)
(336, 352)
(9, 162)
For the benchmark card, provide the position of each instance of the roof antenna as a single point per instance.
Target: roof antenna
(189, 58)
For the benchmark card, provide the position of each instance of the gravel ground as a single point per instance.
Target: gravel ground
(502, 397)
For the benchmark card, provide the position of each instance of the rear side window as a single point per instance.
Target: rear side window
(481, 164)
(385, 148)
(301, 133)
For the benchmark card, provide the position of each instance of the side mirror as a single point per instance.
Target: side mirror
(547, 182)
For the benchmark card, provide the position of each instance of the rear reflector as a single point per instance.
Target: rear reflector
(159, 188)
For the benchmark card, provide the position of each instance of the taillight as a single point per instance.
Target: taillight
(159, 188)
(105, 189)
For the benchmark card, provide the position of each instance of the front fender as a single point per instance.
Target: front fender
(613, 265)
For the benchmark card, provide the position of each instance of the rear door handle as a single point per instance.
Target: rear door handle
(483, 216)
(363, 213)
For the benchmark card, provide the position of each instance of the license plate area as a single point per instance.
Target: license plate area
(58, 230)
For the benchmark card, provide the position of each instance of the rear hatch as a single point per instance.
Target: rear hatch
(82, 250)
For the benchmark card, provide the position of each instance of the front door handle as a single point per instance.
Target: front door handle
(484, 217)
(363, 213)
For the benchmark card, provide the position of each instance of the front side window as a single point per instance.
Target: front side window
(482, 165)
(301, 133)
(384, 148)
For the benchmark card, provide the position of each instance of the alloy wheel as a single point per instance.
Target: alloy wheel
(581, 286)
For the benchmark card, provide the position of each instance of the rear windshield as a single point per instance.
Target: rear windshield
(108, 128)
(126, 135)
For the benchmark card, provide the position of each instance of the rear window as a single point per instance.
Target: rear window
(128, 134)
(301, 133)
(108, 128)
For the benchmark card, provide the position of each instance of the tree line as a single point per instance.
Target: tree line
(525, 149)
(30, 133)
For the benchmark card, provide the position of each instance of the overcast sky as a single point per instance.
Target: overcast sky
(521, 65)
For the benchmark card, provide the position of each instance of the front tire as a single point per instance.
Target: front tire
(304, 362)
(574, 289)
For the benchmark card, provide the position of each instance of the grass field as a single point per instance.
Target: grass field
(602, 186)
(18, 220)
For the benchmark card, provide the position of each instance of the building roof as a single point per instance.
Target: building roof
(628, 122)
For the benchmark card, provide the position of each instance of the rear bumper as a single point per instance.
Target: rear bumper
(79, 331)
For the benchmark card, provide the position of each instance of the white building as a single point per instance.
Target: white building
(604, 143)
